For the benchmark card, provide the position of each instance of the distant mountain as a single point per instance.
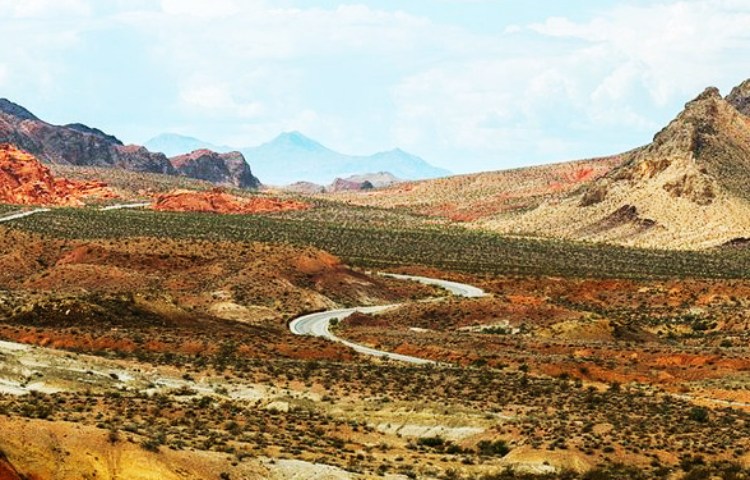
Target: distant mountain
(226, 169)
(377, 180)
(354, 183)
(403, 165)
(293, 157)
(172, 145)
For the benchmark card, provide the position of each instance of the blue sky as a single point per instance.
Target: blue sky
(468, 84)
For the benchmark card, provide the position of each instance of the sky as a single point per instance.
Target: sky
(469, 85)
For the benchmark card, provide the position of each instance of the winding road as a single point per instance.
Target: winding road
(318, 324)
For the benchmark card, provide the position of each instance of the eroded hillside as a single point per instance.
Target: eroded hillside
(471, 197)
(686, 190)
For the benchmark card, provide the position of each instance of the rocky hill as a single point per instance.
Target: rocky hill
(80, 145)
(344, 185)
(25, 181)
(687, 189)
(74, 144)
(226, 169)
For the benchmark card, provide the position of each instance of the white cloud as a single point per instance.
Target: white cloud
(43, 8)
(255, 60)
(218, 100)
(358, 76)
(201, 8)
(619, 72)
(673, 48)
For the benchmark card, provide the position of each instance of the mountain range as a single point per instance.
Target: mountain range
(293, 157)
(288, 158)
(81, 145)
(74, 144)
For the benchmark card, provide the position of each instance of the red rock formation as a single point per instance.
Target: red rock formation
(25, 181)
(218, 201)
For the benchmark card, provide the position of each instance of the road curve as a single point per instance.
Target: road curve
(460, 289)
(318, 324)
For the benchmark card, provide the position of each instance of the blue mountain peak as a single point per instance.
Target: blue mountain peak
(298, 140)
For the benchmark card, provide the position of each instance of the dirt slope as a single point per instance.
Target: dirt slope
(476, 196)
(67, 451)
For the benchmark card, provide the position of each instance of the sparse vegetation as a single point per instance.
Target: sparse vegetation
(389, 239)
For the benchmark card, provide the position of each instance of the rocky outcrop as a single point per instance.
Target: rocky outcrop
(343, 185)
(739, 98)
(225, 169)
(705, 149)
(218, 201)
(367, 181)
(25, 181)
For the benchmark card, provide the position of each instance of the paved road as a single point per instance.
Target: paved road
(460, 289)
(16, 216)
(19, 215)
(318, 324)
(121, 206)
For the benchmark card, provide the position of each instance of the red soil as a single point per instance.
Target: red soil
(7, 471)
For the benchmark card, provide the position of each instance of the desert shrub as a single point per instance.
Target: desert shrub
(699, 414)
(498, 448)
(431, 442)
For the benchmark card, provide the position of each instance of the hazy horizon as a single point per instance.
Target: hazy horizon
(468, 85)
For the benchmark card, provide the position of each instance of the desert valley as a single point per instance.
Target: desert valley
(369, 239)
(578, 320)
